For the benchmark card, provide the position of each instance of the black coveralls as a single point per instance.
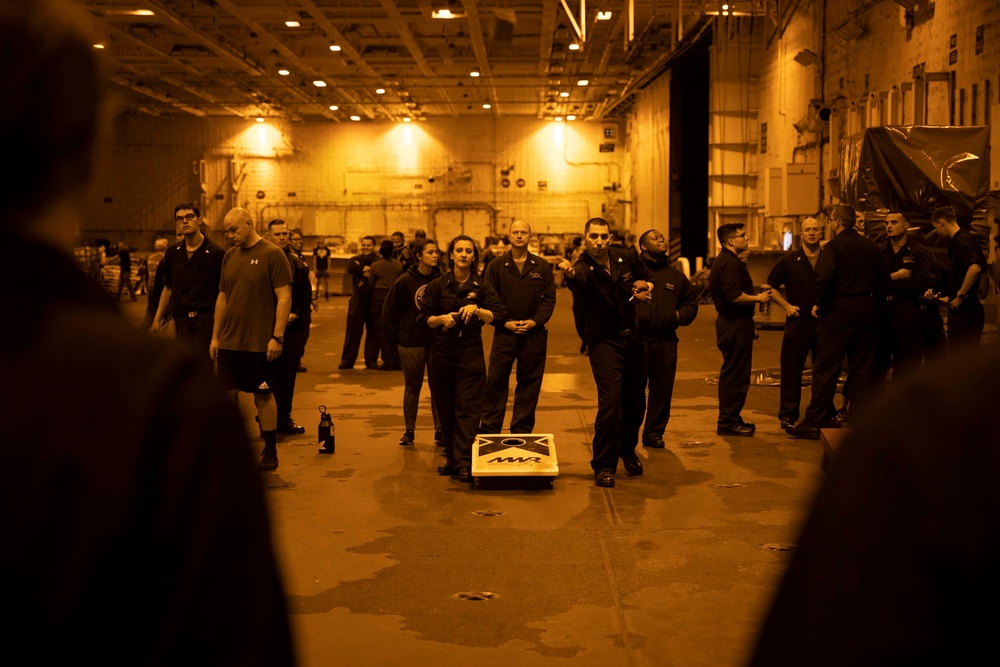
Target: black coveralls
(965, 323)
(457, 363)
(359, 315)
(734, 334)
(899, 335)
(673, 303)
(851, 277)
(296, 334)
(616, 354)
(529, 294)
(795, 272)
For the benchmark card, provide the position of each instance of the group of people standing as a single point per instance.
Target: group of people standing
(874, 307)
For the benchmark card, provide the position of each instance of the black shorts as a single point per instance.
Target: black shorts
(249, 372)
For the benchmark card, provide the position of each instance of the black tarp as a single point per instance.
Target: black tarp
(915, 169)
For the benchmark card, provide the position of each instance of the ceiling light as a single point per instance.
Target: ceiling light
(319, 83)
(603, 16)
(334, 47)
(143, 12)
(583, 82)
(574, 46)
(355, 117)
(570, 117)
(487, 106)
(293, 23)
(98, 46)
(564, 94)
(474, 73)
(406, 119)
(559, 119)
(334, 107)
(260, 119)
(283, 72)
(380, 91)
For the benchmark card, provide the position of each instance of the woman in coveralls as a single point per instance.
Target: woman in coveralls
(457, 305)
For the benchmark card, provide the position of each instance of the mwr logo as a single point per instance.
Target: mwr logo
(254, 261)
(516, 459)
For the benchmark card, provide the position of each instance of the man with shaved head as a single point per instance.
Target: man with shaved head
(255, 299)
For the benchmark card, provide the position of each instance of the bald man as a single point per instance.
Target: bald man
(251, 312)
(796, 272)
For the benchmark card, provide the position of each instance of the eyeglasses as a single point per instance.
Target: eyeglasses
(185, 218)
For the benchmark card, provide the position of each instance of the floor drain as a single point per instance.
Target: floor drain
(489, 513)
(778, 547)
(474, 596)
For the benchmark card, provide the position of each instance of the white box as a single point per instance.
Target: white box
(514, 455)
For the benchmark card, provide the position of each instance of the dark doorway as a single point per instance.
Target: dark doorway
(689, 151)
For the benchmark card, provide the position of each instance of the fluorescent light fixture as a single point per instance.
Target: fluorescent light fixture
(571, 117)
(334, 107)
(406, 119)
(574, 46)
(474, 73)
(355, 118)
(319, 83)
(143, 12)
(445, 14)
(283, 72)
(487, 106)
(564, 94)
(334, 47)
(292, 23)
(260, 119)
(583, 82)
(559, 119)
(98, 46)
(603, 16)
(380, 91)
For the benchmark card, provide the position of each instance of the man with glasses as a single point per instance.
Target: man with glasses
(191, 272)
(732, 293)
(851, 279)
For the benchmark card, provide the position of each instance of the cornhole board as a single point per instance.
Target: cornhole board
(523, 460)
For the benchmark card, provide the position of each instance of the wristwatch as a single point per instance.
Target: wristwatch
(280, 339)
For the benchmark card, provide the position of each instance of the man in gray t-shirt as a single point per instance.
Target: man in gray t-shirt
(255, 297)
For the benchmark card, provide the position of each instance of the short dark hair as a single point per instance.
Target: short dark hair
(370, 238)
(600, 222)
(395, 234)
(420, 234)
(728, 231)
(187, 206)
(945, 214)
(475, 249)
(420, 244)
(274, 223)
(844, 214)
(385, 248)
(644, 236)
(295, 230)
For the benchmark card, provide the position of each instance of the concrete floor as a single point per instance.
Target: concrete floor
(672, 568)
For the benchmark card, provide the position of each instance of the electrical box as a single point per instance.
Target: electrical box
(801, 189)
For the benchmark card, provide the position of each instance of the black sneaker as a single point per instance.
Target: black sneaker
(407, 438)
(268, 460)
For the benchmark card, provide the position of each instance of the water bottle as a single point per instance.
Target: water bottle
(765, 306)
(327, 433)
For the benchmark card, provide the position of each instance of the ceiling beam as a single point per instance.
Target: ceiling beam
(479, 48)
(411, 44)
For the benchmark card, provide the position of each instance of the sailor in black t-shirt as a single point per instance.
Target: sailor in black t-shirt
(965, 312)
